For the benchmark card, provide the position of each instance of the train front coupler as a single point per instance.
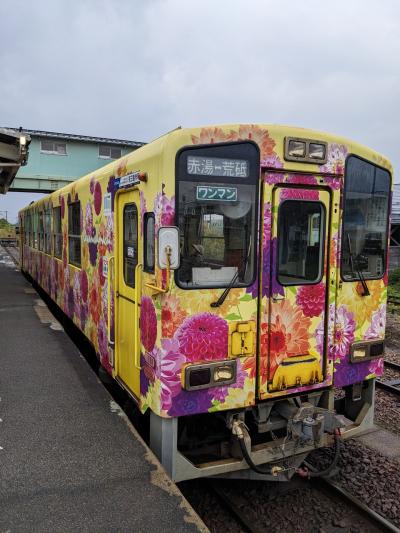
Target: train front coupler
(307, 427)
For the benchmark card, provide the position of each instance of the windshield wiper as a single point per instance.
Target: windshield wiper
(356, 270)
(223, 296)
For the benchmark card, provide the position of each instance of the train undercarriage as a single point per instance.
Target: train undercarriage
(274, 437)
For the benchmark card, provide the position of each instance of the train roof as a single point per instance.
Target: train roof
(274, 134)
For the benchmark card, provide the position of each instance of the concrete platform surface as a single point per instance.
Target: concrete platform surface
(383, 441)
(70, 460)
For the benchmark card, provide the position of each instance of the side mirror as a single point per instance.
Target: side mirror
(168, 247)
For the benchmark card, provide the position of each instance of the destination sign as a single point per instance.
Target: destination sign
(217, 166)
(217, 194)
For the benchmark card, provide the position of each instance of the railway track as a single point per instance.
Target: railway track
(331, 487)
(392, 385)
(244, 514)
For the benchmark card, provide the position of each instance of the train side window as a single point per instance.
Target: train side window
(47, 231)
(130, 243)
(27, 220)
(41, 231)
(57, 232)
(149, 242)
(301, 228)
(74, 233)
(35, 229)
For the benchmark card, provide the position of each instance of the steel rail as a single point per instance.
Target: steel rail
(391, 364)
(392, 386)
(331, 486)
(247, 519)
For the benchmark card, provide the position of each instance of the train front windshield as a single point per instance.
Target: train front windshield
(365, 220)
(217, 215)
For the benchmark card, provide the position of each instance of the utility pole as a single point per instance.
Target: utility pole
(2, 216)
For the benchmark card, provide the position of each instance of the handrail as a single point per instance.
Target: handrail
(111, 343)
(168, 252)
(136, 318)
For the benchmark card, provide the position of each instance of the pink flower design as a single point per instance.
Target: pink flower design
(203, 336)
(342, 330)
(89, 228)
(164, 210)
(336, 159)
(168, 371)
(272, 178)
(148, 323)
(272, 161)
(299, 194)
(299, 179)
(378, 324)
(311, 299)
(376, 367)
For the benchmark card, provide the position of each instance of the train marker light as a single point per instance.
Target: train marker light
(296, 148)
(206, 375)
(316, 151)
(305, 150)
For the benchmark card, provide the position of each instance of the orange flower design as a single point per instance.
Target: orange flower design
(258, 135)
(121, 168)
(172, 316)
(288, 336)
(289, 333)
(210, 136)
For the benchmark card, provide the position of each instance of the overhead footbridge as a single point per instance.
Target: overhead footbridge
(13, 154)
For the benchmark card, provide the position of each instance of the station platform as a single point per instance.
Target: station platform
(70, 459)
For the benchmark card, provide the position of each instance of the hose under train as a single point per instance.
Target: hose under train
(309, 472)
(239, 430)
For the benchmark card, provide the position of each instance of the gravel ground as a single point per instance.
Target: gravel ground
(387, 406)
(370, 476)
(295, 507)
(387, 411)
(393, 337)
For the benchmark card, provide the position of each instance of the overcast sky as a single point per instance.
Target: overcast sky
(135, 69)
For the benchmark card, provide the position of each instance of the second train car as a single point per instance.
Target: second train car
(232, 279)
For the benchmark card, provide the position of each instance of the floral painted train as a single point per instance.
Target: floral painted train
(232, 279)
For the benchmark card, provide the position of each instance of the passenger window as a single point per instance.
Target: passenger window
(130, 243)
(57, 233)
(149, 242)
(300, 242)
(74, 233)
(41, 231)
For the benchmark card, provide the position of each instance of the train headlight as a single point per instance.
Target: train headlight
(206, 375)
(223, 373)
(358, 353)
(366, 350)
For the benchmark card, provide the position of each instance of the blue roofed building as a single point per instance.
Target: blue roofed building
(56, 159)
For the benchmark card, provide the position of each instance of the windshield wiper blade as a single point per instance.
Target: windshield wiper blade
(356, 270)
(221, 299)
(223, 296)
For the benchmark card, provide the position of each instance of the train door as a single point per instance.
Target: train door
(128, 265)
(296, 271)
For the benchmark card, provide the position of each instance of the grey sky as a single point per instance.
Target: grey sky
(136, 69)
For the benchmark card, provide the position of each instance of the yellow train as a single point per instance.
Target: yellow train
(228, 277)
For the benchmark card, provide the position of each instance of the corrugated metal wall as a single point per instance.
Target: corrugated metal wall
(394, 261)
